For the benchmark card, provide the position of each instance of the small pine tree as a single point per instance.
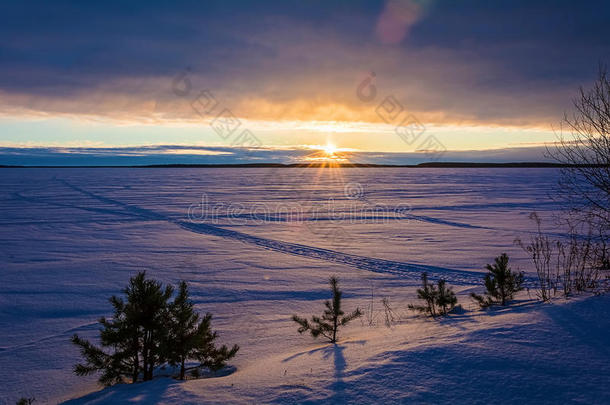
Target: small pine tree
(191, 336)
(438, 300)
(428, 294)
(26, 401)
(445, 299)
(501, 283)
(205, 351)
(328, 325)
(135, 334)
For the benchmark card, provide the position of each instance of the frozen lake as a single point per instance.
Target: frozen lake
(256, 245)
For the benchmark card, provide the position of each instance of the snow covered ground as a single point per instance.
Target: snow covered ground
(256, 246)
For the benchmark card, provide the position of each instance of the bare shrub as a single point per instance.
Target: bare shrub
(389, 315)
(540, 249)
(584, 147)
(573, 265)
(369, 314)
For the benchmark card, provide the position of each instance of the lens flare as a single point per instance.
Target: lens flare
(330, 149)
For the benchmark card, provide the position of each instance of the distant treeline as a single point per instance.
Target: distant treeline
(320, 165)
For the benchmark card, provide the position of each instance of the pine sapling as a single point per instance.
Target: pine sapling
(438, 300)
(205, 351)
(445, 299)
(333, 317)
(191, 337)
(501, 283)
(134, 334)
(427, 293)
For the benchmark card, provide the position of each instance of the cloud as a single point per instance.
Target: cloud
(185, 154)
(502, 63)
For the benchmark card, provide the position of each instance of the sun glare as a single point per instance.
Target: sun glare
(327, 154)
(330, 149)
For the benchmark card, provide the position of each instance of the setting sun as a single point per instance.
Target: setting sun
(328, 153)
(330, 149)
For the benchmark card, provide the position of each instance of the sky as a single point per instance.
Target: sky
(395, 81)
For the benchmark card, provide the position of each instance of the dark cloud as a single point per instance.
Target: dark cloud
(506, 62)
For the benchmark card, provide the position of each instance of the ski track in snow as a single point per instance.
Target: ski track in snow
(402, 269)
(407, 216)
(404, 216)
(64, 335)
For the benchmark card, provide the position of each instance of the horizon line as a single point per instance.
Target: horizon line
(318, 165)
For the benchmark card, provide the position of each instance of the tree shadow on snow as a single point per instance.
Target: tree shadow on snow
(461, 316)
(514, 306)
(149, 392)
(335, 351)
(162, 388)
